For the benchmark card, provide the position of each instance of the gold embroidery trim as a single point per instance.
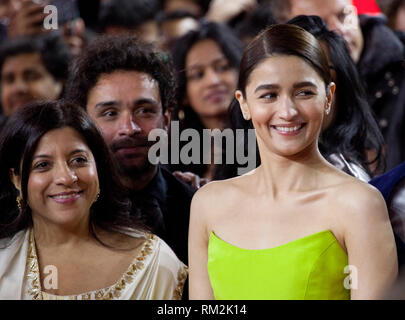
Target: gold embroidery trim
(112, 292)
(181, 279)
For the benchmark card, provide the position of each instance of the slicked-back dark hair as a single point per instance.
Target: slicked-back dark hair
(108, 54)
(283, 39)
(19, 139)
(279, 39)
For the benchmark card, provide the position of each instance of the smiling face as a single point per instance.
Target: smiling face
(286, 100)
(63, 181)
(211, 80)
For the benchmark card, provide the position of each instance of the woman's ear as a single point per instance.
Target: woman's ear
(15, 179)
(166, 118)
(243, 105)
(330, 92)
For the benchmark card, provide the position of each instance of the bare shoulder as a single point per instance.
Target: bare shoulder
(214, 198)
(360, 201)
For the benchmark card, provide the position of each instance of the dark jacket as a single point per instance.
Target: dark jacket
(164, 206)
(382, 69)
(387, 184)
(2, 120)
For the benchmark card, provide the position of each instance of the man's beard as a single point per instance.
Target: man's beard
(133, 171)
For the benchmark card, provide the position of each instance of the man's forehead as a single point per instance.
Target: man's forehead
(126, 85)
(136, 78)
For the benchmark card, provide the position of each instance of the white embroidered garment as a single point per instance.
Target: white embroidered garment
(155, 274)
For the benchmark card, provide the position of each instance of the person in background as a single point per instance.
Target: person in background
(383, 75)
(64, 206)
(289, 229)
(131, 17)
(128, 90)
(206, 62)
(173, 25)
(32, 68)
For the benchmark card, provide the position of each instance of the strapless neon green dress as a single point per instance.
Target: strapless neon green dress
(307, 268)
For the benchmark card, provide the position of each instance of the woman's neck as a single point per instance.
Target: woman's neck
(279, 175)
(217, 122)
(48, 234)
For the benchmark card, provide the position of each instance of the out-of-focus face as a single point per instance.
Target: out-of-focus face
(340, 15)
(126, 106)
(211, 80)
(63, 181)
(286, 101)
(24, 79)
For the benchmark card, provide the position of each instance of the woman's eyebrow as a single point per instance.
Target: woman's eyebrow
(267, 87)
(43, 155)
(304, 84)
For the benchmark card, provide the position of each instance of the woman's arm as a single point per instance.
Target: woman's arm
(199, 283)
(370, 244)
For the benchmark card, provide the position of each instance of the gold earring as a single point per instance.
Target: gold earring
(246, 116)
(18, 202)
(181, 114)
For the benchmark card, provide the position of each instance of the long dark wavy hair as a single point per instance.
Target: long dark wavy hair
(19, 139)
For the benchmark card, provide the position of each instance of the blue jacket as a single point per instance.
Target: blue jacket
(386, 184)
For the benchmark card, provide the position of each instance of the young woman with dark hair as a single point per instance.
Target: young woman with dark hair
(296, 225)
(350, 137)
(63, 205)
(206, 62)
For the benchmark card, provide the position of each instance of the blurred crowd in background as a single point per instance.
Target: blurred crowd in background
(35, 62)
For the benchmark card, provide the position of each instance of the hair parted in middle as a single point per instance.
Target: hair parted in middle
(19, 139)
(283, 39)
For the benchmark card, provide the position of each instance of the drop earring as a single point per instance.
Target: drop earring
(18, 200)
(327, 110)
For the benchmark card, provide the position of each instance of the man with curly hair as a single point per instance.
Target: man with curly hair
(128, 90)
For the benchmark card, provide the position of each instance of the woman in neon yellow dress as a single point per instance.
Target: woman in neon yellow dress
(295, 227)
